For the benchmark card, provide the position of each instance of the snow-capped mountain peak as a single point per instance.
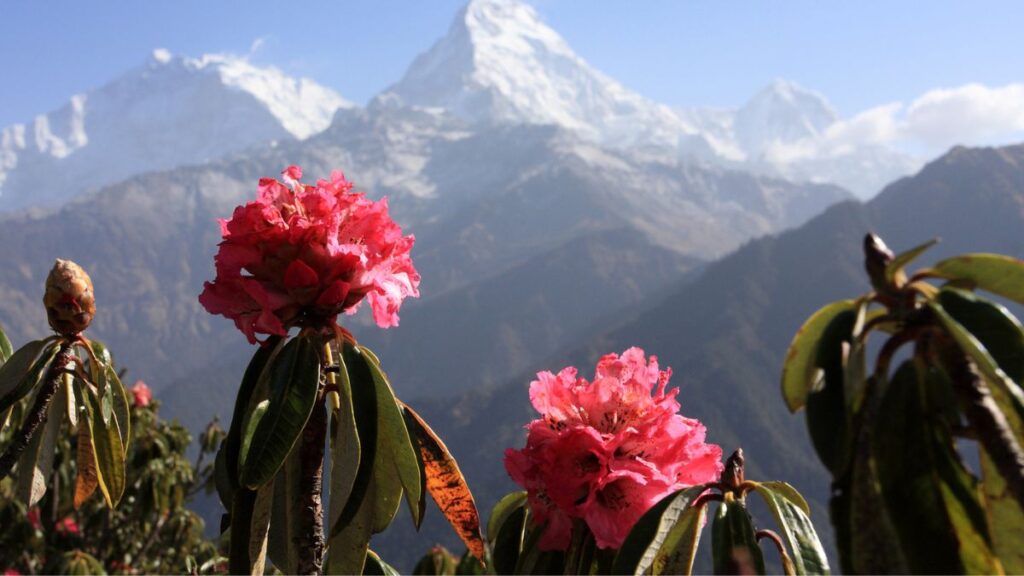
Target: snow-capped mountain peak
(169, 111)
(783, 112)
(302, 106)
(499, 63)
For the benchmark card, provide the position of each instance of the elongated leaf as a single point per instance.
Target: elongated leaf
(797, 531)
(108, 451)
(508, 541)
(250, 523)
(285, 524)
(932, 499)
(5, 346)
(241, 530)
(121, 406)
(1005, 518)
(251, 424)
(788, 492)
(294, 383)
(798, 370)
(733, 542)
(345, 447)
(828, 419)
(364, 405)
(397, 445)
(102, 353)
(994, 273)
(508, 504)
(895, 267)
(23, 370)
(368, 387)
(67, 388)
(259, 533)
(677, 553)
(230, 448)
(638, 551)
(377, 567)
(346, 552)
(87, 479)
(36, 462)
(867, 540)
(447, 485)
(1005, 391)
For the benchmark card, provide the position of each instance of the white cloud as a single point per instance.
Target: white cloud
(972, 115)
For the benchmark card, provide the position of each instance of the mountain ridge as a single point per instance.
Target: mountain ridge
(725, 332)
(168, 112)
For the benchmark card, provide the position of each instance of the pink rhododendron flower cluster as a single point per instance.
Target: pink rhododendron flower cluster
(606, 451)
(141, 394)
(302, 254)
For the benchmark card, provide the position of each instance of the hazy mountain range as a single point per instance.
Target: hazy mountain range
(558, 216)
(498, 64)
(725, 332)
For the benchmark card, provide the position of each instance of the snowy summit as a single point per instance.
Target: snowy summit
(168, 112)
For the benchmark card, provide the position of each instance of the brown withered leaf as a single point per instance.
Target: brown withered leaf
(446, 484)
(87, 480)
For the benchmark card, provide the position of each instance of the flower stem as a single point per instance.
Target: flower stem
(310, 539)
(987, 421)
(38, 413)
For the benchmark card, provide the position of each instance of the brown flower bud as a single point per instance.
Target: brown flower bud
(69, 299)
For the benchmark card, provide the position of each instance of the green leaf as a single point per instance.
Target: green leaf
(1002, 336)
(108, 451)
(120, 405)
(1007, 393)
(501, 512)
(828, 419)
(348, 547)
(36, 462)
(228, 455)
(294, 377)
(345, 447)
(368, 387)
(23, 370)
(677, 553)
(101, 351)
(285, 524)
(396, 445)
(645, 539)
(931, 498)
(997, 274)
(364, 405)
(252, 422)
(250, 525)
(733, 542)
(5, 346)
(896, 266)
(352, 527)
(790, 511)
(259, 533)
(799, 374)
(1005, 517)
(865, 535)
(508, 541)
(446, 484)
(377, 567)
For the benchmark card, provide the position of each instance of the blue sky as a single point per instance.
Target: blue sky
(859, 54)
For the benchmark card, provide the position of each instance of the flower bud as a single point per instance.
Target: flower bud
(69, 299)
